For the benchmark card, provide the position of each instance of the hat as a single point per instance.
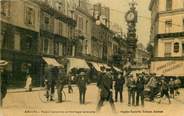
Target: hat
(82, 74)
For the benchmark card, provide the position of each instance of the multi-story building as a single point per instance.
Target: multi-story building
(102, 13)
(141, 56)
(56, 29)
(30, 31)
(83, 30)
(20, 36)
(167, 34)
(37, 32)
(102, 43)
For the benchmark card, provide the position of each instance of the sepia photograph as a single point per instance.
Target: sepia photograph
(92, 57)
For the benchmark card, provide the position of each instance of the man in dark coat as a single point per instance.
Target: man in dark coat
(3, 83)
(119, 82)
(131, 84)
(82, 85)
(140, 89)
(105, 85)
(164, 89)
(60, 84)
(51, 76)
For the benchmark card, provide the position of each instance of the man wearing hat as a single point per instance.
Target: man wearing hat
(140, 89)
(105, 87)
(164, 89)
(131, 84)
(119, 82)
(61, 81)
(82, 85)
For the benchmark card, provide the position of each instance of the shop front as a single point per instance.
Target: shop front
(19, 65)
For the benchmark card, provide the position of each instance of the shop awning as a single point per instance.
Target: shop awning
(117, 69)
(52, 61)
(77, 63)
(96, 66)
(3, 62)
(106, 66)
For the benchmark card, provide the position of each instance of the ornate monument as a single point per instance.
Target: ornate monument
(131, 19)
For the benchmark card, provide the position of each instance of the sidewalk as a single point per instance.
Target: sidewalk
(37, 88)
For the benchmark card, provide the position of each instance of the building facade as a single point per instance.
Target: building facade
(167, 35)
(32, 30)
(141, 56)
(83, 30)
(20, 37)
(167, 27)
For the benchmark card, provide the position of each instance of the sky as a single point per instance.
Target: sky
(118, 16)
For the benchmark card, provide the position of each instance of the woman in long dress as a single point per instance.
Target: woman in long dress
(28, 85)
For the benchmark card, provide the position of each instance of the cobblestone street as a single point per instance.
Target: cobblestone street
(33, 104)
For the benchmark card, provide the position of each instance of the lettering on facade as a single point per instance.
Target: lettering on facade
(166, 65)
(174, 67)
(170, 66)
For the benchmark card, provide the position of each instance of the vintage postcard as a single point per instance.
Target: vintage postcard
(92, 57)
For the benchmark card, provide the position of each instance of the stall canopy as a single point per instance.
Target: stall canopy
(52, 61)
(77, 63)
(117, 69)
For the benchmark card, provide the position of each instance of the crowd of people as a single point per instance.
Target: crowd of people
(139, 86)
